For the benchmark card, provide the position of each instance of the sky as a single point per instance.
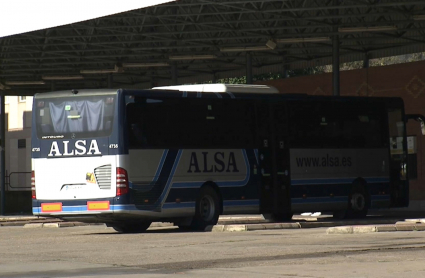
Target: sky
(20, 16)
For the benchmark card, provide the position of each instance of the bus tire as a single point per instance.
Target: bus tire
(357, 204)
(132, 227)
(207, 209)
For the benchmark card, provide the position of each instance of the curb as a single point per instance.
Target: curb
(332, 230)
(252, 227)
(356, 227)
(398, 227)
(22, 218)
(77, 224)
(58, 225)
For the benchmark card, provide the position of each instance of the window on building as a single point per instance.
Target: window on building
(22, 98)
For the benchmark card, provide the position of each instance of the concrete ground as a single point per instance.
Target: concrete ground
(98, 251)
(377, 221)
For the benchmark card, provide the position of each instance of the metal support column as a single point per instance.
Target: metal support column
(174, 74)
(248, 68)
(366, 61)
(335, 56)
(285, 68)
(2, 152)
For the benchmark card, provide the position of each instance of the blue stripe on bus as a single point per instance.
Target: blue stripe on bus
(198, 184)
(188, 184)
(256, 155)
(168, 160)
(170, 177)
(235, 203)
(231, 95)
(380, 197)
(338, 180)
(254, 202)
(160, 166)
(184, 94)
(179, 205)
(320, 200)
(377, 180)
(132, 207)
(198, 94)
(74, 208)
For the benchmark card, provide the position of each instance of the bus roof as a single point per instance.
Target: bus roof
(221, 88)
(74, 92)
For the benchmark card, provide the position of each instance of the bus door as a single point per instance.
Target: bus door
(274, 160)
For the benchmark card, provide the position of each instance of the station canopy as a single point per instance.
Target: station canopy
(196, 41)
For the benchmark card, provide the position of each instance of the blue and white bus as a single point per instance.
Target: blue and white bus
(188, 154)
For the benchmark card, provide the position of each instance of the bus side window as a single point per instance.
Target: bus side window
(134, 131)
(138, 134)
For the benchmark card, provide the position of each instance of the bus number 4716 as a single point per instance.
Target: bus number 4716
(113, 146)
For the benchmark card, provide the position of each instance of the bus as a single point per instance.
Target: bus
(187, 154)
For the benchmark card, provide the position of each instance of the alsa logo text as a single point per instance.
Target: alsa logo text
(223, 162)
(79, 148)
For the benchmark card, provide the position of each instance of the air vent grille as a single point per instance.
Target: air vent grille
(103, 176)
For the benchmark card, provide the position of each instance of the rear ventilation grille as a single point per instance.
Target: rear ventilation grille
(103, 176)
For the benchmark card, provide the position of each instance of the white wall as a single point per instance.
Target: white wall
(19, 127)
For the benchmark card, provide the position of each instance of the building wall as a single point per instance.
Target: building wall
(403, 80)
(18, 157)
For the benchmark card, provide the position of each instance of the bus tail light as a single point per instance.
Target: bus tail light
(122, 181)
(33, 185)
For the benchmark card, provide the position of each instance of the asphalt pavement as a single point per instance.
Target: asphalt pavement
(377, 221)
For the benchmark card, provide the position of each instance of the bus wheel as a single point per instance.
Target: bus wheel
(207, 209)
(132, 227)
(357, 203)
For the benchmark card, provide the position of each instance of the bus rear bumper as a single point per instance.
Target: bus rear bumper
(88, 209)
(107, 210)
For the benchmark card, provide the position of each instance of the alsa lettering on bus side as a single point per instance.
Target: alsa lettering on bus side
(221, 163)
(79, 148)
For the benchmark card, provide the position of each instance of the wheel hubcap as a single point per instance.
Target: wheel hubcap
(207, 208)
(358, 202)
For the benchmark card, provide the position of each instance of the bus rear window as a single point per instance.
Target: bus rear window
(77, 117)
